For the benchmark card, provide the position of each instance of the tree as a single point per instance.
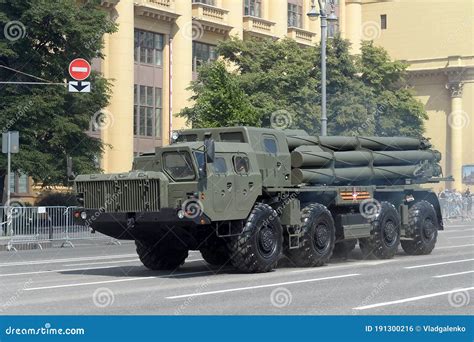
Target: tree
(40, 39)
(398, 112)
(221, 101)
(367, 94)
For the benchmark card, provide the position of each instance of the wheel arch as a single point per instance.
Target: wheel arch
(431, 198)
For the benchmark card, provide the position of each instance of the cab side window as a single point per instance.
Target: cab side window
(270, 145)
(241, 165)
(220, 165)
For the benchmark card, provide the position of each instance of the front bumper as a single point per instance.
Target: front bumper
(131, 226)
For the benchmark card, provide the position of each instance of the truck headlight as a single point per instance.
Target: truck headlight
(83, 215)
(181, 214)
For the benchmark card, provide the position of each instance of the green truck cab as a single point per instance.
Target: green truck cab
(235, 195)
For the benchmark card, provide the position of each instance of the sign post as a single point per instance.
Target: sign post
(10, 144)
(79, 69)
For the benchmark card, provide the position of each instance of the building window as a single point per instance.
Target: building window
(203, 53)
(206, 2)
(253, 8)
(19, 183)
(147, 111)
(295, 17)
(383, 21)
(148, 48)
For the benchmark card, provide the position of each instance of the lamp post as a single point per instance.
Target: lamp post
(313, 14)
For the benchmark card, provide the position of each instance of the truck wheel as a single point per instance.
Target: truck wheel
(317, 239)
(343, 248)
(424, 226)
(157, 258)
(259, 246)
(385, 235)
(216, 256)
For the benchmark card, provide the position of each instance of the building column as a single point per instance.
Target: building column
(183, 31)
(353, 24)
(117, 121)
(278, 13)
(342, 18)
(455, 127)
(234, 18)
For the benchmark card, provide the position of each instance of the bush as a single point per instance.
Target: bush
(67, 199)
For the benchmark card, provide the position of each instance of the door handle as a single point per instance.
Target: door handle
(229, 185)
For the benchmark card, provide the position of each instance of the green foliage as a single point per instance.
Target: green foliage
(221, 101)
(52, 122)
(366, 94)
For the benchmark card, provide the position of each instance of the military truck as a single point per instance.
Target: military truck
(250, 196)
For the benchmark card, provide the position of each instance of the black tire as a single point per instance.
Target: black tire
(258, 248)
(318, 235)
(423, 224)
(157, 258)
(385, 235)
(343, 248)
(216, 255)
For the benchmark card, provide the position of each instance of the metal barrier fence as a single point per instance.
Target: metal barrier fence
(454, 209)
(37, 225)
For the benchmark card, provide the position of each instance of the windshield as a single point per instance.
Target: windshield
(179, 165)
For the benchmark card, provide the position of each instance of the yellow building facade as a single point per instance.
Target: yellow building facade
(153, 57)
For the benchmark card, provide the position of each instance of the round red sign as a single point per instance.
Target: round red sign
(79, 69)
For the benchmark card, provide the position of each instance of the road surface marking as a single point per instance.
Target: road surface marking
(459, 246)
(115, 280)
(102, 262)
(261, 286)
(345, 264)
(74, 269)
(452, 274)
(439, 263)
(442, 232)
(462, 237)
(33, 262)
(411, 299)
(52, 271)
(117, 262)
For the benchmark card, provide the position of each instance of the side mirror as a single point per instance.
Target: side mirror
(70, 174)
(210, 150)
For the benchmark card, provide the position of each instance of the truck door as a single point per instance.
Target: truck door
(246, 182)
(221, 179)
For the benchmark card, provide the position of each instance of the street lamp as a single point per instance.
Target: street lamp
(313, 14)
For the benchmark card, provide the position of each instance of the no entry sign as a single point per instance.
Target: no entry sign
(79, 69)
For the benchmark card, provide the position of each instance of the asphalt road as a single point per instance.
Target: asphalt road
(109, 279)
